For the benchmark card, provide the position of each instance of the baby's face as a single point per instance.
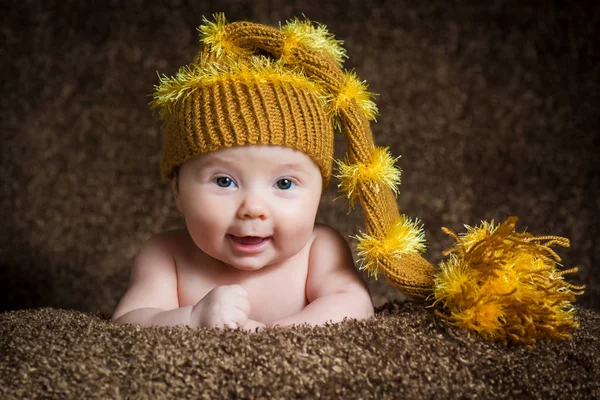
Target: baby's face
(249, 206)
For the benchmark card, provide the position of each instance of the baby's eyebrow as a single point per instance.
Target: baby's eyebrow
(210, 161)
(295, 167)
(218, 161)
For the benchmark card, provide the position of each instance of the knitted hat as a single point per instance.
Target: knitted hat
(256, 84)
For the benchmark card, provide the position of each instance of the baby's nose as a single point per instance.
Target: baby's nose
(253, 207)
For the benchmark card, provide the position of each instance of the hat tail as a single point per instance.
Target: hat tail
(392, 243)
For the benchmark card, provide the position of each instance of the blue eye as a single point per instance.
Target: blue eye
(223, 181)
(285, 184)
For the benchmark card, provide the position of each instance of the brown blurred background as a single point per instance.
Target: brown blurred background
(493, 106)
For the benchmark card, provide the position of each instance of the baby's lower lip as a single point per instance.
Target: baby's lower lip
(248, 244)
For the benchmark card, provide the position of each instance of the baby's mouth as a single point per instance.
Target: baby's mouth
(249, 244)
(248, 239)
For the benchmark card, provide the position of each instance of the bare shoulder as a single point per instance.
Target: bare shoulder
(157, 255)
(332, 272)
(331, 267)
(330, 250)
(329, 238)
(153, 279)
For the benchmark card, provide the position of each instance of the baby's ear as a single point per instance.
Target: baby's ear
(175, 190)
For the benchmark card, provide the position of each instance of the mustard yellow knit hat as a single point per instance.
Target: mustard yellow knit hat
(256, 84)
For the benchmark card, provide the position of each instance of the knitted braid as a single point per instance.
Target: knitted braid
(392, 242)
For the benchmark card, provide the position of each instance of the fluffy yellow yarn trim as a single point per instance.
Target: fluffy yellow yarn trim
(404, 237)
(381, 171)
(506, 285)
(313, 36)
(258, 71)
(352, 90)
(214, 35)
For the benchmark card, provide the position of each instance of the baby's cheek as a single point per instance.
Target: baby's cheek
(206, 234)
(297, 231)
(206, 218)
(206, 206)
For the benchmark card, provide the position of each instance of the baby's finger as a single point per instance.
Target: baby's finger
(231, 324)
(238, 317)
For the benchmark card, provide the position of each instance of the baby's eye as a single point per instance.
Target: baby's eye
(223, 181)
(285, 184)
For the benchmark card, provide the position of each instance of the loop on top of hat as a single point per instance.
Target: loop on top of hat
(215, 36)
(306, 33)
(313, 36)
(381, 170)
(403, 237)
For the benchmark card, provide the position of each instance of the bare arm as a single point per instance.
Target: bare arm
(151, 298)
(334, 288)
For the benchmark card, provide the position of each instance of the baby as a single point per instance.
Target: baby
(251, 253)
(248, 150)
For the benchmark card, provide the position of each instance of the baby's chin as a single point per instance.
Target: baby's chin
(250, 264)
(246, 267)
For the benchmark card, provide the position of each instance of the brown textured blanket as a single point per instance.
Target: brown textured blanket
(403, 352)
(492, 105)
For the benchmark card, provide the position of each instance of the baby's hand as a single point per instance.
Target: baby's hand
(222, 306)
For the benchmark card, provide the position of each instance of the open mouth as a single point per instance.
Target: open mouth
(248, 244)
(248, 239)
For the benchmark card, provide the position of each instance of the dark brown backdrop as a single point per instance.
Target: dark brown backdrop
(492, 105)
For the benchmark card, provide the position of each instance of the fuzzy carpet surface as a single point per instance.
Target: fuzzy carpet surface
(403, 352)
(493, 107)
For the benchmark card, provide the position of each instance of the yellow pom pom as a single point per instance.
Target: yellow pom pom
(477, 234)
(505, 285)
(381, 171)
(404, 237)
(352, 90)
